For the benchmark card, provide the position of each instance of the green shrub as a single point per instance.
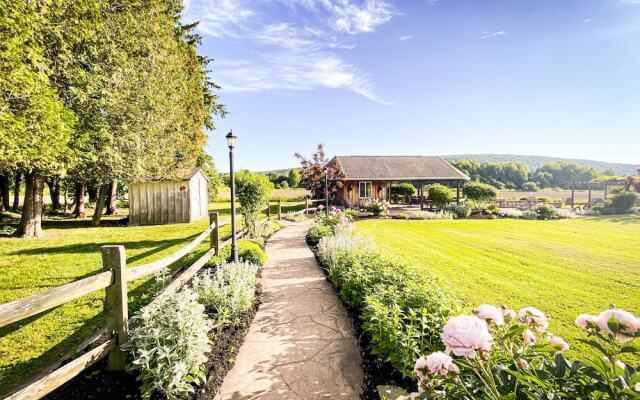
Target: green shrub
(248, 251)
(352, 214)
(253, 191)
(316, 233)
(459, 211)
(168, 344)
(402, 310)
(440, 195)
(529, 215)
(621, 203)
(480, 191)
(530, 187)
(547, 212)
(264, 229)
(227, 290)
(377, 207)
(403, 192)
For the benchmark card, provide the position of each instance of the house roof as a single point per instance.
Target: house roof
(397, 168)
(188, 173)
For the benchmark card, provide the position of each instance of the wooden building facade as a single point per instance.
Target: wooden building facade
(181, 198)
(367, 178)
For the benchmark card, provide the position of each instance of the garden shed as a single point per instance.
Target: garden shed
(179, 198)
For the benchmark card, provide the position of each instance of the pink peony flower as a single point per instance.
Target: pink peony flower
(628, 323)
(529, 337)
(508, 313)
(441, 363)
(534, 318)
(559, 342)
(587, 322)
(465, 335)
(522, 363)
(420, 367)
(490, 314)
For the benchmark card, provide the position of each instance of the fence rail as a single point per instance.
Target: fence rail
(114, 280)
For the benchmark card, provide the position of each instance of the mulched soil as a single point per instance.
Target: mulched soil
(375, 372)
(98, 384)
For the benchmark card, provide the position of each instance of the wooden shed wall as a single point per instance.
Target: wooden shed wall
(159, 203)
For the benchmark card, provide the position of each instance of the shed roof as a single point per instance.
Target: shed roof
(188, 173)
(397, 168)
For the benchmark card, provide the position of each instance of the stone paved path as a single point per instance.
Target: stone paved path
(300, 344)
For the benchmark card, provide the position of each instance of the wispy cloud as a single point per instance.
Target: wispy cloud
(405, 37)
(304, 54)
(492, 34)
(628, 2)
(287, 73)
(587, 20)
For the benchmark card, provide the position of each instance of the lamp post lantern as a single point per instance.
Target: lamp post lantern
(231, 142)
(326, 189)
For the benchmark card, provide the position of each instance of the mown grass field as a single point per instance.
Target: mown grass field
(564, 268)
(70, 250)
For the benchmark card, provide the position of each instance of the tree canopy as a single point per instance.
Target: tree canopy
(101, 90)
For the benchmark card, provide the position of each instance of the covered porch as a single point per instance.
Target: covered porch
(358, 193)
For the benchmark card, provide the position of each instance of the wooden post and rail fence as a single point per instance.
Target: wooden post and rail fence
(113, 279)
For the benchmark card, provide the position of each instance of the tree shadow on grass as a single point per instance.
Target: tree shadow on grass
(624, 219)
(94, 247)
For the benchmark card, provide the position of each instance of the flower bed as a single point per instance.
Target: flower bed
(498, 354)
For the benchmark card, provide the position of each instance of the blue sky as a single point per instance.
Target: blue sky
(544, 77)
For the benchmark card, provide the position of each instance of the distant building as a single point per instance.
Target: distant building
(180, 198)
(366, 178)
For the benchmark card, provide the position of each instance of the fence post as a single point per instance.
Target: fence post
(279, 209)
(215, 233)
(306, 205)
(115, 303)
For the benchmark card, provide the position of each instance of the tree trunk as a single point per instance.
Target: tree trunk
(111, 197)
(16, 191)
(100, 198)
(31, 221)
(92, 192)
(4, 193)
(78, 199)
(54, 191)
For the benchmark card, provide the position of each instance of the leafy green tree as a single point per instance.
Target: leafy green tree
(403, 192)
(564, 174)
(480, 191)
(35, 124)
(253, 192)
(294, 178)
(530, 187)
(511, 175)
(215, 179)
(440, 195)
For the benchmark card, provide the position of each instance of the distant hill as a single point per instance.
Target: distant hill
(534, 162)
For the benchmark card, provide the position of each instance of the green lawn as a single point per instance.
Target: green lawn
(70, 250)
(562, 267)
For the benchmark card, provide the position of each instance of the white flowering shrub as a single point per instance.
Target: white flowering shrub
(169, 343)
(498, 354)
(227, 291)
(426, 215)
(514, 214)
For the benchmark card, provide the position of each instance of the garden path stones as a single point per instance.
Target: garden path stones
(300, 344)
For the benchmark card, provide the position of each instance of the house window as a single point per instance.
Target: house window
(365, 190)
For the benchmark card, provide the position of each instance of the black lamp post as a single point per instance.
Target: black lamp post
(326, 189)
(231, 141)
